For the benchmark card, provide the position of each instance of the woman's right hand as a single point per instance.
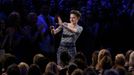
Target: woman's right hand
(59, 20)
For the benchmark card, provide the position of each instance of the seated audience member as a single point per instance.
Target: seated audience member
(68, 71)
(111, 72)
(119, 60)
(23, 67)
(65, 59)
(94, 59)
(90, 71)
(34, 70)
(52, 68)
(80, 60)
(8, 59)
(131, 63)
(41, 61)
(77, 72)
(104, 61)
(13, 70)
(127, 58)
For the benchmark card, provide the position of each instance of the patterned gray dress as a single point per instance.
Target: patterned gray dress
(68, 40)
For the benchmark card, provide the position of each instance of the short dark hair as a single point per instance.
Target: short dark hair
(65, 57)
(76, 12)
(13, 69)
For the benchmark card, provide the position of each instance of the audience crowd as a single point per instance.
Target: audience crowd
(102, 63)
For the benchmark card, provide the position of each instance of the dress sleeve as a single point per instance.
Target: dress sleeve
(79, 29)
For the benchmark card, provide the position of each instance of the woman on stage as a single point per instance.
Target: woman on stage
(71, 32)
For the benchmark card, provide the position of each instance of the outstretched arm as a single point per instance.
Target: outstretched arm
(66, 25)
(55, 31)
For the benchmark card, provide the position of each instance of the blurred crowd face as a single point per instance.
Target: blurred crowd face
(74, 19)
